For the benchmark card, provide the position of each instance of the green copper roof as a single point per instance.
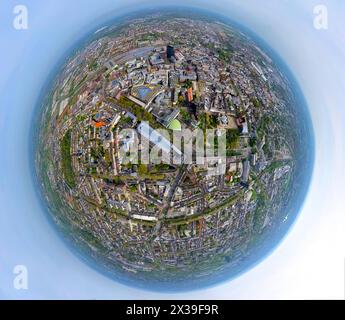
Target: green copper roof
(175, 125)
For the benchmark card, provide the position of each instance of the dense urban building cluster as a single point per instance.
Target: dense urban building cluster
(168, 221)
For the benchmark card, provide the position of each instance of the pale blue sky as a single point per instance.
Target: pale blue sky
(310, 261)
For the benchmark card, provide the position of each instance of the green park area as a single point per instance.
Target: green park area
(66, 161)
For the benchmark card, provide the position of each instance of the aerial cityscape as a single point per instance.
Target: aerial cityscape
(126, 95)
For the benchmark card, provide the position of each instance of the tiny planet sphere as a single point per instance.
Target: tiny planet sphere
(185, 221)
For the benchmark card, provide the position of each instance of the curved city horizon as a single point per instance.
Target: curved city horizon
(259, 256)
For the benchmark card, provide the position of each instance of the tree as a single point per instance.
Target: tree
(232, 139)
(185, 115)
(188, 84)
(142, 169)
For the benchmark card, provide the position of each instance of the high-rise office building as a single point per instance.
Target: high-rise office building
(170, 52)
